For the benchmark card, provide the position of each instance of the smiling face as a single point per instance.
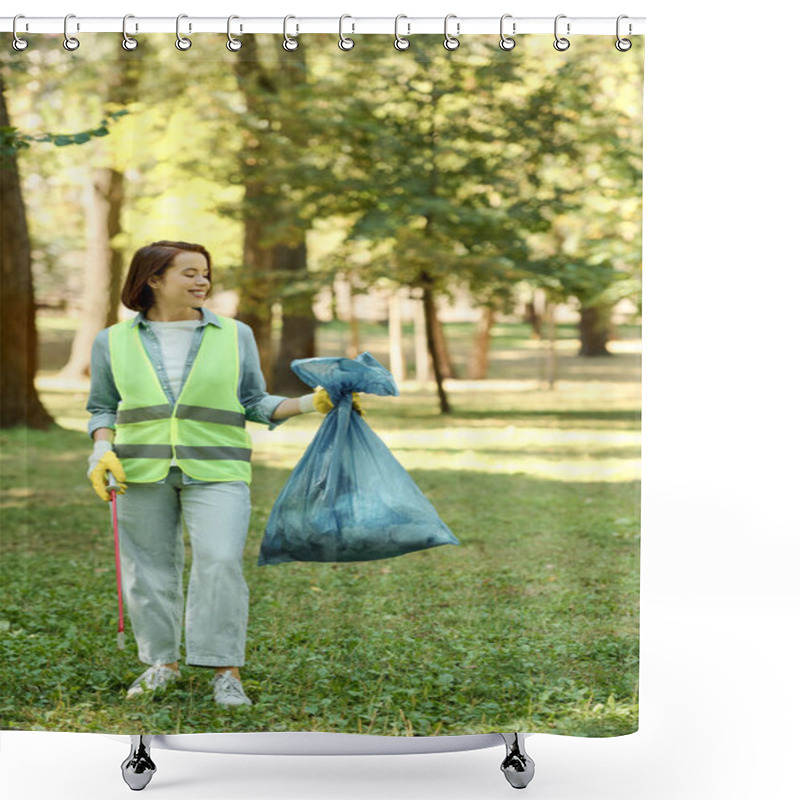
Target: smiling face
(183, 286)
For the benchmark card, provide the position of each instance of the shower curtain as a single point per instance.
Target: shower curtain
(472, 219)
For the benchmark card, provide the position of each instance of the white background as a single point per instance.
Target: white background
(719, 695)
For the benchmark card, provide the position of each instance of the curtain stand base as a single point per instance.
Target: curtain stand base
(138, 768)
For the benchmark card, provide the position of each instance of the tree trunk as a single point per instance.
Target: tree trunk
(534, 319)
(595, 330)
(352, 322)
(256, 280)
(298, 323)
(442, 350)
(437, 345)
(19, 401)
(422, 357)
(429, 304)
(479, 358)
(103, 266)
(397, 364)
(102, 273)
(256, 283)
(353, 345)
(267, 268)
(550, 361)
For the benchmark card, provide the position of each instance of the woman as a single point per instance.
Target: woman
(171, 390)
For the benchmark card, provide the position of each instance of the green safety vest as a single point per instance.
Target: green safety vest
(205, 431)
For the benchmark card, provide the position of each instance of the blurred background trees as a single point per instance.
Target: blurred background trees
(507, 183)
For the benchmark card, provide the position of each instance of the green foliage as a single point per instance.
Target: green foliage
(412, 161)
(475, 167)
(591, 247)
(13, 140)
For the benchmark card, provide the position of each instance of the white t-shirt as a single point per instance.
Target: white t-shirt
(175, 339)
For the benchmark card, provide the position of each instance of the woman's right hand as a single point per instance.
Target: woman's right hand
(103, 460)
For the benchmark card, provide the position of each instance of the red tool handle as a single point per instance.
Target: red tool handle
(112, 487)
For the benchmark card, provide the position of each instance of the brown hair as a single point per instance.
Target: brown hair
(154, 259)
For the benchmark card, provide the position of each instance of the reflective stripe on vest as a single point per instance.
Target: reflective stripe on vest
(205, 432)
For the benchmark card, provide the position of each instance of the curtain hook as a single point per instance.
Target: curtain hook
(289, 43)
(506, 42)
(450, 42)
(17, 43)
(128, 42)
(182, 42)
(345, 43)
(233, 44)
(400, 42)
(561, 44)
(70, 42)
(623, 45)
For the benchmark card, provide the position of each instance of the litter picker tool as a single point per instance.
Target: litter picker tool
(113, 487)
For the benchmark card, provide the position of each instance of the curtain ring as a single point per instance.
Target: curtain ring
(289, 43)
(70, 42)
(450, 42)
(506, 42)
(17, 43)
(182, 42)
(561, 44)
(400, 42)
(345, 43)
(623, 45)
(233, 44)
(128, 43)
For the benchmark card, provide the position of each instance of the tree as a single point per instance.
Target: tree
(103, 263)
(412, 154)
(19, 401)
(18, 337)
(275, 259)
(591, 249)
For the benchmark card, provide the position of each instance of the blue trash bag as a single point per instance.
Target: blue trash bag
(348, 498)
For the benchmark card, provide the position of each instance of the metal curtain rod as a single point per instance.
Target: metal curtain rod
(631, 26)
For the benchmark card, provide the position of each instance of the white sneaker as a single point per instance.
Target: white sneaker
(155, 677)
(228, 690)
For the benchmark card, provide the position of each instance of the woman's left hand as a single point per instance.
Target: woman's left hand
(323, 404)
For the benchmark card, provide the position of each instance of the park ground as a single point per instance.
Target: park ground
(530, 624)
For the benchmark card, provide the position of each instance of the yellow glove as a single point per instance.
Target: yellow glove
(323, 404)
(322, 400)
(99, 464)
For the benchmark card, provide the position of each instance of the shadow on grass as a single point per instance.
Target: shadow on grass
(554, 454)
(399, 418)
(561, 415)
(530, 624)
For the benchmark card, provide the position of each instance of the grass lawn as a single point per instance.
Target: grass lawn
(531, 624)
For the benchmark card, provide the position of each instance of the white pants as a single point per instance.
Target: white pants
(217, 516)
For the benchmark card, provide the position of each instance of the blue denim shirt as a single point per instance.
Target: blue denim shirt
(104, 398)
